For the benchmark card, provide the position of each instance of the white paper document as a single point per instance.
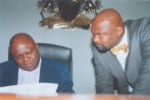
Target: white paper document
(36, 89)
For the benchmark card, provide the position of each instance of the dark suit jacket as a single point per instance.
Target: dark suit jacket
(108, 71)
(50, 71)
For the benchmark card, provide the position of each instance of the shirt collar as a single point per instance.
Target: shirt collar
(124, 39)
(35, 70)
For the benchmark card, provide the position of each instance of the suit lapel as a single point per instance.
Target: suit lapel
(13, 74)
(14, 77)
(111, 63)
(117, 72)
(116, 68)
(44, 71)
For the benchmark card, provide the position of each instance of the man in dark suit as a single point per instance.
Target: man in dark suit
(121, 53)
(28, 67)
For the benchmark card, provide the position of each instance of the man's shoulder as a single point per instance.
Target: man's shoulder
(138, 20)
(10, 64)
(7, 62)
(138, 25)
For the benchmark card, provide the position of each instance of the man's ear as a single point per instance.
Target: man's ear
(120, 31)
(37, 46)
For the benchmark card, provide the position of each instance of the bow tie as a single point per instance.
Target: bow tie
(123, 48)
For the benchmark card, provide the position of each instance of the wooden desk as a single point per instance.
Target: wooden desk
(73, 97)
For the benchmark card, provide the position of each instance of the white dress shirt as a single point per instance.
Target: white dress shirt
(121, 55)
(27, 77)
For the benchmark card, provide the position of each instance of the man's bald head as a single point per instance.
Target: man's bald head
(21, 37)
(110, 15)
(24, 51)
(107, 28)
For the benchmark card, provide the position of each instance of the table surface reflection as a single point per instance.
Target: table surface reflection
(73, 97)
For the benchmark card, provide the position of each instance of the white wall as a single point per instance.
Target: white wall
(23, 16)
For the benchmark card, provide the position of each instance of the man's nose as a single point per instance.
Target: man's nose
(96, 39)
(25, 57)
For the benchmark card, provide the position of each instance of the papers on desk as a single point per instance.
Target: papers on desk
(36, 89)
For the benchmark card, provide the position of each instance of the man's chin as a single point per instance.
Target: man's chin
(29, 68)
(102, 50)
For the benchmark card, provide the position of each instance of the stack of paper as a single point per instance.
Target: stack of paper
(36, 89)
